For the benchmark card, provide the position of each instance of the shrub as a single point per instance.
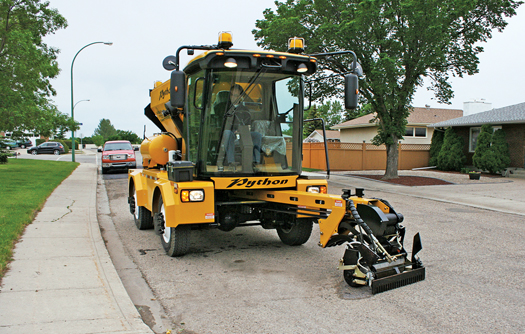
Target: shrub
(39, 141)
(435, 146)
(69, 142)
(501, 149)
(3, 157)
(451, 156)
(63, 142)
(492, 150)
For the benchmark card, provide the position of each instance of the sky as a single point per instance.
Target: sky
(116, 79)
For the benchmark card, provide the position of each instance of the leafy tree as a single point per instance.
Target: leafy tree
(105, 129)
(97, 140)
(483, 156)
(435, 146)
(126, 135)
(26, 65)
(398, 44)
(492, 150)
(501, 149)
(309, 127)
(451, 156)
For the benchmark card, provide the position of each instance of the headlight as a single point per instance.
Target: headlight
(316, 189)
(192, 195)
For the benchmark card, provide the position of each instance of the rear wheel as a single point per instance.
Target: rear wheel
(8, 147)
(141, 215)
(22, 146)
(295, 233)
(175, 240)
(56, 152)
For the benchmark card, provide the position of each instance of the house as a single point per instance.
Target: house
(363, 129)
(511, 119)
(317, 136)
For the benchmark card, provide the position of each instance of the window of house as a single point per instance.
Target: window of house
(411, 131)
(473, 137)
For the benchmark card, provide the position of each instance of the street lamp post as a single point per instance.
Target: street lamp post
(73, 105)
(80, 123)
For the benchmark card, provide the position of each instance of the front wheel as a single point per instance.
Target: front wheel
(141, 215)
(175, 240)
(34, 152)
(295, 233)
(56, 152)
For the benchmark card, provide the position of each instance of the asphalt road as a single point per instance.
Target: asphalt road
(247, 281)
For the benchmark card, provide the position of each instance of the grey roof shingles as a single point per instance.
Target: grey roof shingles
(505, 115)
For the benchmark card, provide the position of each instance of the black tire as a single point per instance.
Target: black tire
(8, 147)
(295, 234)
(22, 146)
(348, 275)
(104, 170)
(34, 152)
(56, 152)
(142, 216)
(175, 240)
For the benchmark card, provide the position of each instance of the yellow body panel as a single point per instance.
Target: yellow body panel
(159, 97)
(154, 150)
(177, 212)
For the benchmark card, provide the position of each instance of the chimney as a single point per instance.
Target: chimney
(475, 106)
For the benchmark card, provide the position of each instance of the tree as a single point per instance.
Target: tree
(311, 126)
(126, 135)
(398, 44)
(26, 65)
(492, 150)
(105, 129)
(451, 156)
(435, 146)
(483, 157)
(501, 149)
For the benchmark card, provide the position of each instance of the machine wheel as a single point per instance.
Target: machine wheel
(295, 234)
(142, 216)
(34, 152)
(349, 277)
(56, 152)
(175, 240)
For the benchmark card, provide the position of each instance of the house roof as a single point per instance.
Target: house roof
(510, 114)
(418, 116)
(330, 134)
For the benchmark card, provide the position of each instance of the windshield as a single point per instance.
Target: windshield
(117, 146)
(249, 122)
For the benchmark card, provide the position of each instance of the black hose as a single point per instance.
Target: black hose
(361, 222)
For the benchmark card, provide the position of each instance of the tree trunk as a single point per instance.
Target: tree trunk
(392, 155)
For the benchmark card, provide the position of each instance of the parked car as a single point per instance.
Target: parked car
(24, 143)
(49, 147)
(117, 155)
(8, 144)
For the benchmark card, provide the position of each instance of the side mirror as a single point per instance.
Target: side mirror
(351, 91)
(178, 89)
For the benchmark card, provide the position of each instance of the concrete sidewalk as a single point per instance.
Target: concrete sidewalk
(62, 279)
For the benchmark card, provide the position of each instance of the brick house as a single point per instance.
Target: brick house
(511, 119)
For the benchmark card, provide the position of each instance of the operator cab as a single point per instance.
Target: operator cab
(243, 122)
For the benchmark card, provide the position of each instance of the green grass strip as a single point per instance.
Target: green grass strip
(24, 187)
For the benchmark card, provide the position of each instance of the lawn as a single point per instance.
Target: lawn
(24, 187)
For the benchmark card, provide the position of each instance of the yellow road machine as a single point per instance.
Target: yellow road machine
(229, 155)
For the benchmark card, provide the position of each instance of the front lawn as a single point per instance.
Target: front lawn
(24, 188)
